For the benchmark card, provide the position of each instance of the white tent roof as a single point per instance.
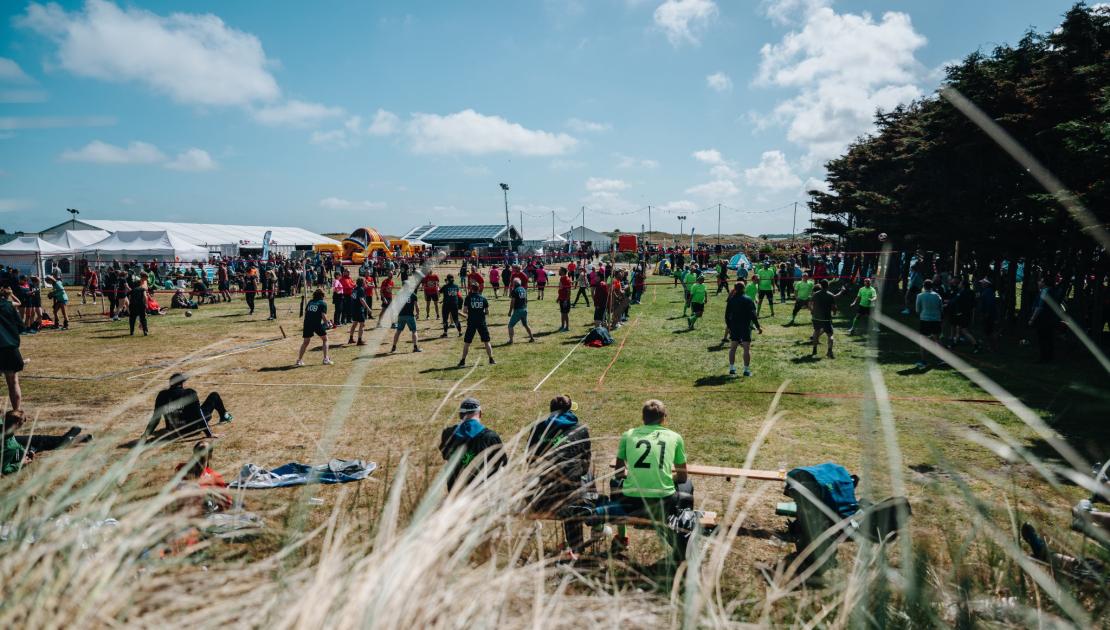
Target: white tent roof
(581, 233)
(213, 234)
(147, 243)
(33, 245)
(76, 239)
(557, 240)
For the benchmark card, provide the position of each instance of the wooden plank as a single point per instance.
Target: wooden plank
(748, 473)
(708, 520)
(729, 473)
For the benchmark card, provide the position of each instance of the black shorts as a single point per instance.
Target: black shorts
(564, 306)
(431, 297)
(864, 311)
(358, 314)
(225, 286)
(963, 320)
(481, 329)
(822, 326)
(599, 313)
(698, 308)
(11, 360)
(743, 333)
(767, 293)
(308, 332)
(929, 328)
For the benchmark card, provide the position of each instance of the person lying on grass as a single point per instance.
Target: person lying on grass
(183, 411)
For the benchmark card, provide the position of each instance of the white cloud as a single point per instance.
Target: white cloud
(772, 173)
(844, 67)
(97, 152)
(684, 20)
(294, 113)
(127, 201)
(8, 123)
(22, 96)
(337, 203)
(719, 81)
(715, 190)
(196, 59)
(477, 134)
(11, 72)
(578, 125)
(595, 184)
(813, 183)
(723, 171)
(792, 11)
(384, 124)
(334, 137)
(708, 156)
(11, 204)
(682, 205)
(627, 161)
(192, 160)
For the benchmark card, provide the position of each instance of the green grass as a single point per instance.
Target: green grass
(96, 376)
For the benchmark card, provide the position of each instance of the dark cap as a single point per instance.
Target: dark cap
(470, 405)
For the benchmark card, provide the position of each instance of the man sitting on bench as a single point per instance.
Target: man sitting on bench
(559, 449)
(183, 411)
(652, 460)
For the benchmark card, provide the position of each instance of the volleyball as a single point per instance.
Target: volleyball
(882, 237)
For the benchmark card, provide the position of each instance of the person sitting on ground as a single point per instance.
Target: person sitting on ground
(559, 448)
(651, 459)
(475, 441)
(183, 411)
(180, 301)
(13, 456)
(199, 474)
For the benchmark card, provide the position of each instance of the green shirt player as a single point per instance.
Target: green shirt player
(752, 288)
(698, 296)
(688, 281)
(864, 298)
(766, 275)
(652, 461)
(803, 290)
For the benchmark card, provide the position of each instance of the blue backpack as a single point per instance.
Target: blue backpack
(834, 486)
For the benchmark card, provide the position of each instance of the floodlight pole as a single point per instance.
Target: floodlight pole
(794, 225)
(73, 212)
(508, 228)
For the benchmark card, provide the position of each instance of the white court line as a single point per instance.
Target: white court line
(451, 391)
(325, 385)
(544, 379)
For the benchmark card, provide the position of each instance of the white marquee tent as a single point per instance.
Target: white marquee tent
(27, 254)
(582, 234)
(145, 245)
(226, 240)
(76, 239)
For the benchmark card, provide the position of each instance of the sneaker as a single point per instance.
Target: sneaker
(492, 362)
(393, 349)
(360, 343)
(461, 364)
(227, 417)
(851, 331)
(732, 371)
(747, 371)
(299, 364)
(416, 349)
(531, 340)
(328, 362)
(919, 365)
(829, 354)
(444, 335)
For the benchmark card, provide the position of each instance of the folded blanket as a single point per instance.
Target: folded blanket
(294, 474)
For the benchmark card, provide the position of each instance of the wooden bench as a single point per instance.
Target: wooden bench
(698, 470)
(708, 520)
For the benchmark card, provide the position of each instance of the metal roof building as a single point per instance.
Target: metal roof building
(226, 240)
(462, 236)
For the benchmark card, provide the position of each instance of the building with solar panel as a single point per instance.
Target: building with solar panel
(458, 239)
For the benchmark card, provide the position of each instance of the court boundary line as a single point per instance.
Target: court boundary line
(627, 334)
(560, 363)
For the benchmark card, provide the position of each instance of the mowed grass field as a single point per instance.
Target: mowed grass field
(377, 406)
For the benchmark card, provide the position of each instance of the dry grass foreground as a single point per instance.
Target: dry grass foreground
(392, 552)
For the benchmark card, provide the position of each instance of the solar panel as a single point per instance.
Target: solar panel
(463, 232)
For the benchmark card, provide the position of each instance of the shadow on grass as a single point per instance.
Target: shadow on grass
(714, 380)
(806, 358)
(112, 336)
(682, 331)
(717, 347)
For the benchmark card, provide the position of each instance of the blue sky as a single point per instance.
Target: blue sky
(336, 115)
